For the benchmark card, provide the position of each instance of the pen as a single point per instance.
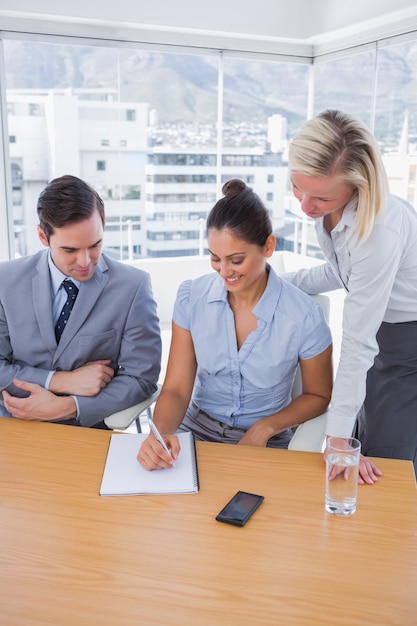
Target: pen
(158, 436)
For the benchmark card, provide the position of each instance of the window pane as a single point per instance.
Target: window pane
(122, 121)
(141, 127)
(340, 83)
(180, 169)
(264, 103)
(396, 116)
(66, 117)
(346, 84)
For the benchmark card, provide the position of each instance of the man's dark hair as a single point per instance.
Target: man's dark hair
(67, 200)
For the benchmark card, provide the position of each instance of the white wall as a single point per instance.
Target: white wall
(299, 21)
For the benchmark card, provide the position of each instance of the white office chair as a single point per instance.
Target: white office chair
(310, 436)
(125, 418)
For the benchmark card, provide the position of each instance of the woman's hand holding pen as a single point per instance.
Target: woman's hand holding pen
(152, 454)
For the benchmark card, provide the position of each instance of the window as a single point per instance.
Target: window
(249, 179)
(169, 173)
(182, 178)
(34, 109)
(197, 160)
(126, 192)
(284, 86)
(333, 82)
(17, 176)
(395, 119)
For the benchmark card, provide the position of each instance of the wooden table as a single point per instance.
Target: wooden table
(71, 557)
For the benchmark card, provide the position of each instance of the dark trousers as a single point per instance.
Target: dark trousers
(206, 428)
(387, 423)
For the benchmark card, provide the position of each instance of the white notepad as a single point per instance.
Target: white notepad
(123, 475)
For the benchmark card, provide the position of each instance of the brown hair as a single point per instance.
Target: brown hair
(242, 212)
(67, 200)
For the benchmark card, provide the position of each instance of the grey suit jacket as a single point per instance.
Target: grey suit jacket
(114, 317)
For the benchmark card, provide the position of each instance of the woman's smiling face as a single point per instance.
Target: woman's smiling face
(239, 263)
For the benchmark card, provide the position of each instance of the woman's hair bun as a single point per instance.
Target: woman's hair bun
(233, 187)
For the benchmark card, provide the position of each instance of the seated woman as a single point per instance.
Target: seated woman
(238, 336)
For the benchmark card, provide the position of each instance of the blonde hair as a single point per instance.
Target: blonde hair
(335, 143)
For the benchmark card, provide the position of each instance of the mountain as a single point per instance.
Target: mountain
(179, 86)
(182, 88)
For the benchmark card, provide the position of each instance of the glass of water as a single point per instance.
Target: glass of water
(342, 469)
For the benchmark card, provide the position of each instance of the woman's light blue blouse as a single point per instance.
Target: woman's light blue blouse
(239, 387)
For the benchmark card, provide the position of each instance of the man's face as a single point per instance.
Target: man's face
(76, 248)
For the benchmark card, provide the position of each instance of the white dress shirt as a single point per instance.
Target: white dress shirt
(379, 276)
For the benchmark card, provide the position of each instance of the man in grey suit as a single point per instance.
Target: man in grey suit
(108, 356)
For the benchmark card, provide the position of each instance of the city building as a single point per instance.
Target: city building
(157, 197)
(87, 133)
(182, 187)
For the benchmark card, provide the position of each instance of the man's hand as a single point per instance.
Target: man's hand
(41, 405)
(87, 380)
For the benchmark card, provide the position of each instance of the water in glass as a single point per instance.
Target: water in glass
(341, 491)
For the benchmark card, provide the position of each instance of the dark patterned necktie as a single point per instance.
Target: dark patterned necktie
(72, 292)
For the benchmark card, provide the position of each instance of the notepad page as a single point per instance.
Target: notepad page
(123, 474)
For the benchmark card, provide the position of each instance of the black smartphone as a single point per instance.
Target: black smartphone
(239, 509)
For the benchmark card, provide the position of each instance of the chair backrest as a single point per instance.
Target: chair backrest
(167, 275)
(310, 435)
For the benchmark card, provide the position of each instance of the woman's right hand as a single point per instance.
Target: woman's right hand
(368, 471)
(153, 456)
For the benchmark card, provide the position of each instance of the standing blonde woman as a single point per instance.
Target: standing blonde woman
(369, 240)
